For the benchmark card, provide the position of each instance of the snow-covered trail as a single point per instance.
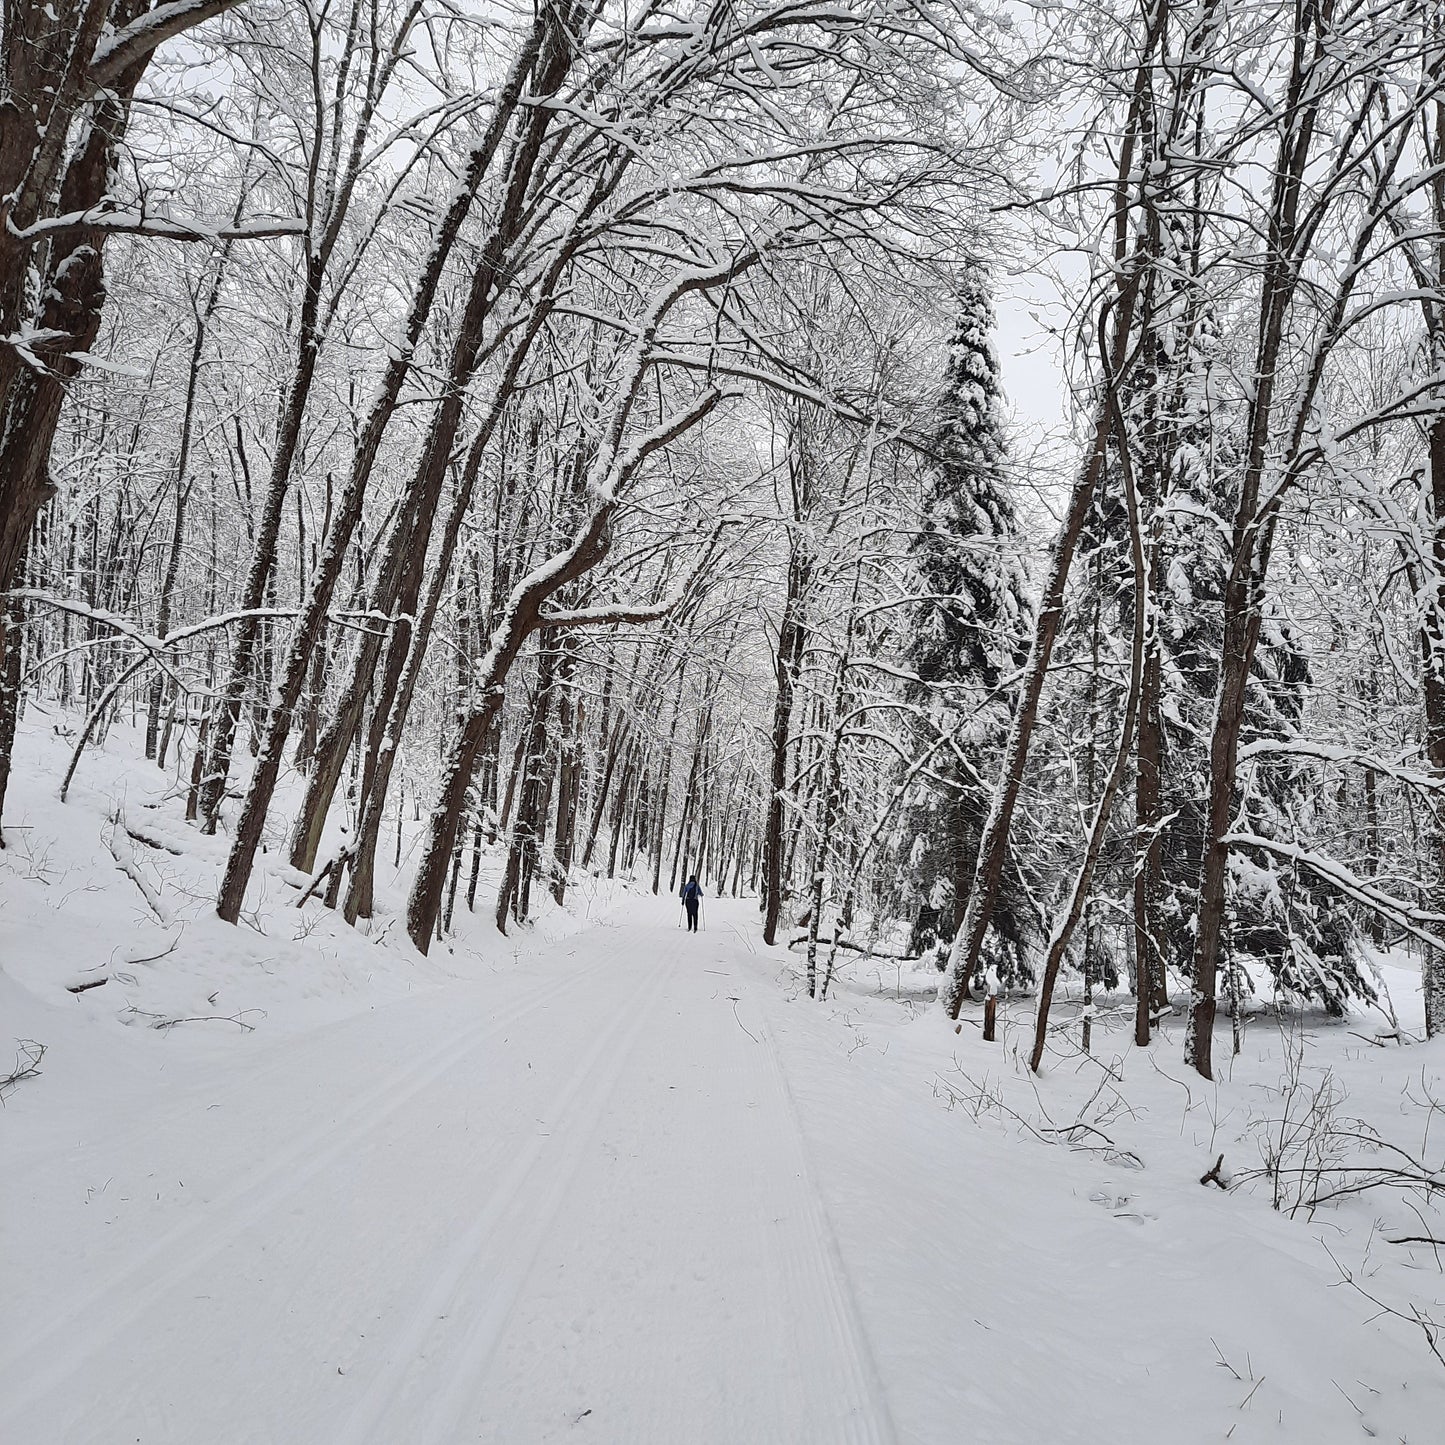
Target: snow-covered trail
(574, 1203)
(634, 1187)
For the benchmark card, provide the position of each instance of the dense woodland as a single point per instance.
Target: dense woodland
(581, 427)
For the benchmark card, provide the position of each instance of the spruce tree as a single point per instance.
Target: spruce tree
(1283, 922)
(969, 630)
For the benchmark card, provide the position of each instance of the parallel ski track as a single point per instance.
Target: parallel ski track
(818, 1276)
(840, 1401)
(428, 1387)
(486, 1270)
(45, 1360)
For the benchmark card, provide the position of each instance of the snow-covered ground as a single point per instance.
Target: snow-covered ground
(603, 1181)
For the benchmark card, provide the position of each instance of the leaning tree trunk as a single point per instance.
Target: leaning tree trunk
(338, 185)
(520, 618)
(1063, 934)
(400, 577)
(408, 644)
(349, 505)
(993, 851)
(607, 480)
(1132, 260)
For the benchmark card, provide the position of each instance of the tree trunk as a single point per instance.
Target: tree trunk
(570, 723)
(659, 810)
(1432, 625)
(1249, 551)
(182, 489)
(349, 505)
(1116, 323)
(51, 167)
(322, 240)
(1059, 944)
(1149, 844)
(1433, 679)
(792, 638)
(523, 839)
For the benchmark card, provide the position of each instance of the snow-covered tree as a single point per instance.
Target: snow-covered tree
(969, 621)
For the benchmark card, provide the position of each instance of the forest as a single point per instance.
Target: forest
(576, 437)
(722, 721)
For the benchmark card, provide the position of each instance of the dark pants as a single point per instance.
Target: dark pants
(691, 905)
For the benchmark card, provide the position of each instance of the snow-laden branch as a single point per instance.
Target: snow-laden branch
(128, 631)
(1337, 753)
(1403, 914)
(114, 219)
(153, 649)
(607, 614)
(134, 42)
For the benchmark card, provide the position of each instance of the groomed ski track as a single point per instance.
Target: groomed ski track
(571, 1203)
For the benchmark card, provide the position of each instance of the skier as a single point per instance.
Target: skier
(692, 900)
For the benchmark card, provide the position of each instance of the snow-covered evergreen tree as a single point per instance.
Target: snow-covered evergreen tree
(1282, 921)
(970, 626)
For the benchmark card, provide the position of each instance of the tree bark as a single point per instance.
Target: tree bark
(349, 504)
(1432, 638)
(792, 639)
(330, 186)
(182, 488)
(1116, 321)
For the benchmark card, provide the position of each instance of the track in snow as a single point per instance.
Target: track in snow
(689, 1286)
(586, 1216)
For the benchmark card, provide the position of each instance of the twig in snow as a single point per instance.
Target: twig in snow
(1379, 1043)
(1432, 1329)
(1225, 1362)
(156, 957)
(741, 1024)
(161, 1022)
(1064, 1134)
(1353, 1406)
(28, 1055)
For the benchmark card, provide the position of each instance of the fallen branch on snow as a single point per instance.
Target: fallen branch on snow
(162, 1022)
(855, 948)
(119, 843)
(28, 1055)
(983, 1100)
